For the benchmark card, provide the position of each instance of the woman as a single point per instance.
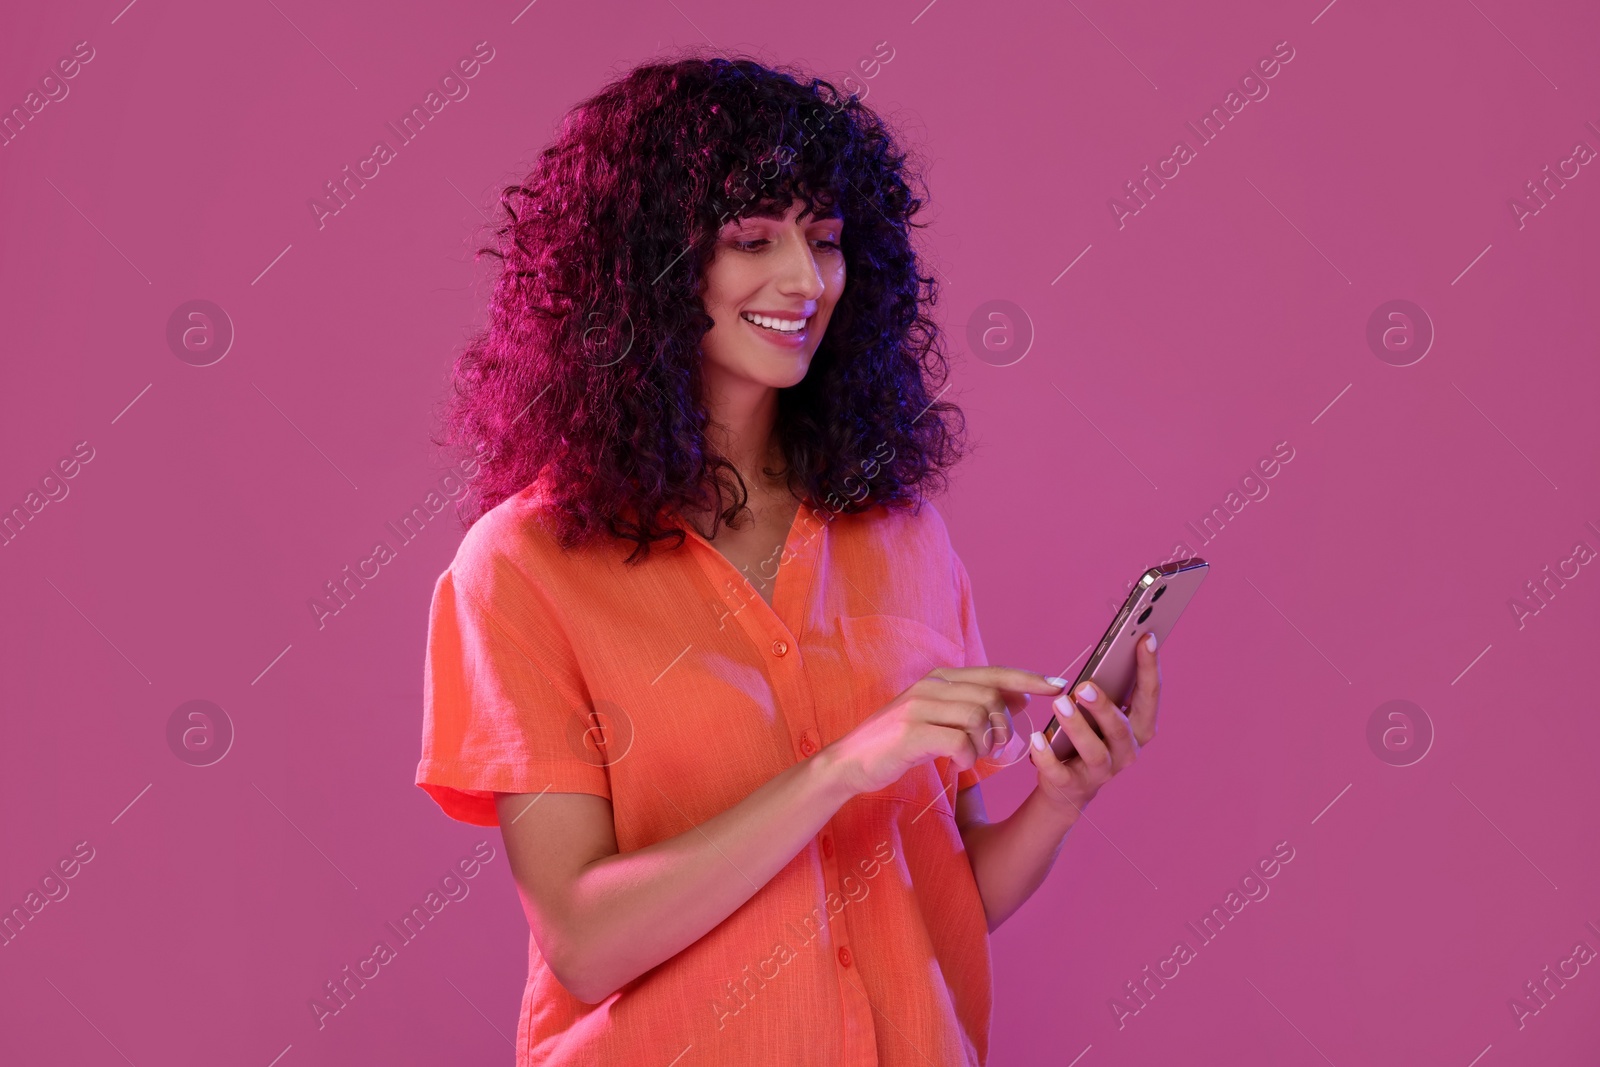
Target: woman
(736, 775)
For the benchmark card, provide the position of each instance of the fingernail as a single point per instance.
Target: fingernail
(1059, 683)
(1150, 640)
(1038, 740)
(1063, 706)
(1086, 691)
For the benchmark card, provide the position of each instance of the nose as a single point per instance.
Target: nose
(798, 271)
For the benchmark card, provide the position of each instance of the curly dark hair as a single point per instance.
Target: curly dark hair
(587, 378)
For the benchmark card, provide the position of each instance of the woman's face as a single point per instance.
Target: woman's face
(787, 272)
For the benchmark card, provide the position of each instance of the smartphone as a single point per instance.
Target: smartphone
(1154, 604)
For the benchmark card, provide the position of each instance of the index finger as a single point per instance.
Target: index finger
(1146, 691)
(1014, 679)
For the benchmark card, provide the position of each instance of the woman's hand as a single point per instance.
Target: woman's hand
(1073, 783)
(960, 712)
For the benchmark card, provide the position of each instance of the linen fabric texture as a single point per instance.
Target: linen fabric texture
(673, 690)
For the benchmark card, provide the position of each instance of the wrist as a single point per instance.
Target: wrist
(826, 774)
(1053, 810)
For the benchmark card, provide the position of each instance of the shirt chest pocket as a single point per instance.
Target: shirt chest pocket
(885, 655)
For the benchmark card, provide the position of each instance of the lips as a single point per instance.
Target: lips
(789, 339)
(782, 324)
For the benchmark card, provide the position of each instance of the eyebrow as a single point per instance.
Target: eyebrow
(830, 215)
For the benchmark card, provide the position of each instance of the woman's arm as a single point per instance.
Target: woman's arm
(603, 918)
(1010, 858)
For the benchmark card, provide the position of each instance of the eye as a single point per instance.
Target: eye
(752, 243)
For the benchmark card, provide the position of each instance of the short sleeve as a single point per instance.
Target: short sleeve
(505, 708)
(974, 656)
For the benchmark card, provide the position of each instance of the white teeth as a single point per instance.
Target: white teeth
(780, 325)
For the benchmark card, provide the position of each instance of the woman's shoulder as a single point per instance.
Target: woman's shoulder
(522, 536)
(889, 542)
(514, 535)
(916, 525)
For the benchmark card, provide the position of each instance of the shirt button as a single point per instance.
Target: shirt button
(827, 846)
(844, 955)
(806, 746)
(780, 648)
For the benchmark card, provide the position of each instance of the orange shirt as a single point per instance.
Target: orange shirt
(674, 690)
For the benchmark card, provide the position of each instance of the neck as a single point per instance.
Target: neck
(743, 415)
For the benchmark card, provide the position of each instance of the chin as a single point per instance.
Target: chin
(777, 373)
(791, 373)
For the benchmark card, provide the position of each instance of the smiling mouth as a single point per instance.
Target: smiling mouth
(782, 327)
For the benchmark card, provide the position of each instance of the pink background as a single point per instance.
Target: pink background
(1228, 315)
